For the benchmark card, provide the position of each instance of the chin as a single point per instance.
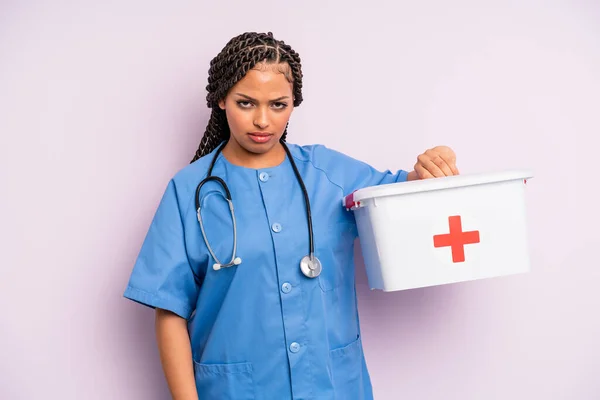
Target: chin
(259, 148)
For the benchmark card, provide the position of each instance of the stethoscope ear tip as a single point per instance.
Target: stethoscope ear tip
(237, 261)
(216, 267)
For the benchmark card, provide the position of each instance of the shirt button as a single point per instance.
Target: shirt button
(263, 176)
(294, 347)
(286, 288)
(276, 227)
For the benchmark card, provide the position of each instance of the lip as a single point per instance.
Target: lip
(260, 137)
(260, 134)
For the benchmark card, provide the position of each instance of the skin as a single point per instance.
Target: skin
(260, 102)
(175, 354)
(434, 163)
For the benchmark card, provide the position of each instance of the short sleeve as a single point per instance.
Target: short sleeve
(352, 173)
(162, 276)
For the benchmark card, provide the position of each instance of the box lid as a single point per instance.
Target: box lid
(424, 185)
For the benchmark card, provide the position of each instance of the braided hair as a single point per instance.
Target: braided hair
(241, 54)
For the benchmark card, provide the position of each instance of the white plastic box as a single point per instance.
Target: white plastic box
(442, 230)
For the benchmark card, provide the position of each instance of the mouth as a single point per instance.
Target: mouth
(260, 137)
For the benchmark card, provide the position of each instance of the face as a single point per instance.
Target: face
(258, 108)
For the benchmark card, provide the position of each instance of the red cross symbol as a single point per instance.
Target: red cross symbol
(456, 239)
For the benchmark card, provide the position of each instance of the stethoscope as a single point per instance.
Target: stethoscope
(309, 265)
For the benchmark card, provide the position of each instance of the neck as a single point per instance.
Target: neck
(237, 155)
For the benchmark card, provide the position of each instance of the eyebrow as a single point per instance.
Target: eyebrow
(250, 98)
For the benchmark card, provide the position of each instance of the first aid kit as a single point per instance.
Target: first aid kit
(444, 230)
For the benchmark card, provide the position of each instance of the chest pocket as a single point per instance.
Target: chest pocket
(334, 246)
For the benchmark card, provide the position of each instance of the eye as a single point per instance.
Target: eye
(279, 105)
(244, 103)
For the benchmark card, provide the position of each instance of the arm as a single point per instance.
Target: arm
(437, 162)
(162, 278)
(352, 174)
(176, 355)
(349, 173)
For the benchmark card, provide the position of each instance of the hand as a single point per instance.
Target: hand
(435, 163)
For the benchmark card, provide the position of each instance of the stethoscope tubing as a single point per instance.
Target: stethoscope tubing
(312, 260)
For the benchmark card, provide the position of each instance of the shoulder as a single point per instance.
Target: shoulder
(320, 155)
(194, 172)
(334, 164)
(183, 183)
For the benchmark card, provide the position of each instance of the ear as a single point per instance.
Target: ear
(222, 104)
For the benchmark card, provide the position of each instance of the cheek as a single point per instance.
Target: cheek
(281, 119)
(237, 119)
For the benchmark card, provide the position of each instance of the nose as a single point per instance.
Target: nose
(261, 118)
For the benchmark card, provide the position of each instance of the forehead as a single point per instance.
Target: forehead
(265, 81)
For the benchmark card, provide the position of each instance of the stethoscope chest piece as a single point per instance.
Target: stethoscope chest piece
(311, 266)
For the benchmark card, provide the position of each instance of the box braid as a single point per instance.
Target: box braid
(240, 55)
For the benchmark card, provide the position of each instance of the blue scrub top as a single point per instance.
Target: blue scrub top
(262, 330)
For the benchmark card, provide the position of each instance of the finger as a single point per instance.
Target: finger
(443, 165)
(422, 172)
(432, 167)
(454, 169)
(451, 161)
(424, 160)
(447, 154)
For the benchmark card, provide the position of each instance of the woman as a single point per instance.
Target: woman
(255, 309)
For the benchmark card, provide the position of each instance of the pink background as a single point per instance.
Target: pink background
(100, 104)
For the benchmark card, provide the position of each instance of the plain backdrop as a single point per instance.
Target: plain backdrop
(102, 102)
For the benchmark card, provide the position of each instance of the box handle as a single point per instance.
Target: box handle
(349, 202)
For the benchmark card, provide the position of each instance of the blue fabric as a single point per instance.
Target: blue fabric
(262, 330)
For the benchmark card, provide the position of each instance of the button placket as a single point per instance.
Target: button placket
(276, 195)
